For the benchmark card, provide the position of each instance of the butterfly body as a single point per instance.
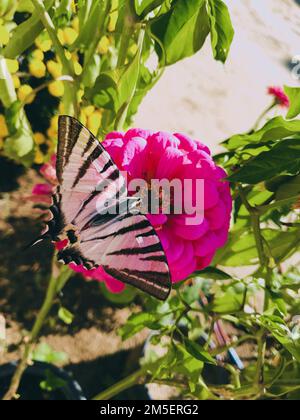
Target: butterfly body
(102, 225)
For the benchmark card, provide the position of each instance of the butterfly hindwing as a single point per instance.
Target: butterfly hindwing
(123, 242)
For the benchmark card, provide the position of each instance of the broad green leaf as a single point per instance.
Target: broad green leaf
(183, 30)
(211, 273)
(228, 299)
(65, 316)
(143, 7)
(124, 298)
(91, 71)
(137, 322)
(221, 29)
(290, 188)
(25, 6)
(104, 94)
(45, 353)
(20, 147)
(25, 34)
(52, 382)
(8, 94)
(7, 9)
(282, 334)
(284, 157)
(294, 96)
(275, 129)
(198, 352)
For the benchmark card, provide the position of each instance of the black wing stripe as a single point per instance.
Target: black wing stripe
(137, 226)
(114, 175)
(160, 258)
(88, 146)
(107, 166)
(146, 234)
(84, 168)
(136, 251)
(156, 284)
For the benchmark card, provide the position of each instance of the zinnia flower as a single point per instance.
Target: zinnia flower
(147, 155)
(280, 97)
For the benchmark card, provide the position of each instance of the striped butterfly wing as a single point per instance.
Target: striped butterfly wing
(124, 243)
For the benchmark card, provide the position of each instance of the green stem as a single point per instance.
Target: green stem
(68, 69)
(259, 374)
(127, 32)
(262, 115)
(122, 385)
(120, 120)
(55, 285)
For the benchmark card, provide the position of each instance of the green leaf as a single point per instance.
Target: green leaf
(143, 7)
(198, 352)
(228, 299)
(124, 298)
(104, 94)
(137, 322)
(221, 29)
(294, 96)
(290, 188)
(8, 94)
(20, 147)
(183, 30)
(45, 353)
(91, 71)
(65, 316)
(25, 6)
(52, 382)
(275, 129)
(25, 34)
(282, 334)
(211, 273)
(284, 157)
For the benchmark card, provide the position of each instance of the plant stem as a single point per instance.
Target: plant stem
(56, 283)
(264, 113)
(68, 69)
(127, 32)
(122, 385)
(259, 375)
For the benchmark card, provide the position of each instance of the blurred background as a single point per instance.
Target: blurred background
(200, 96)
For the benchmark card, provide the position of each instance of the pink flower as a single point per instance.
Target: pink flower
(147, 155)
(280, 97)
(41, 193)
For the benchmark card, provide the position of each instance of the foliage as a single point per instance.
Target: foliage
(91, 60)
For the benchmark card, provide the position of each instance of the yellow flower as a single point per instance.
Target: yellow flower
(94, 122)
(38, 54)
(25, 94)
(4, 35)
(54, 122)
(103, 45)
(43, 43)
(54, 68)
(37, 68)
(113, 17)
(52, 134)
(67, 36)
(12, 65)
(83, 119)
(16, 81)
(39, 138)
(88, 110)
(39, 157)
(61, 108)
(75, 24)
(80, 94)
(56, 88)
(77, 68)
(3, 127)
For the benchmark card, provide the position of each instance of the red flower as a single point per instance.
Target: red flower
(280, 97)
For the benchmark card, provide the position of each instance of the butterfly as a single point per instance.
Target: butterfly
(123, 243)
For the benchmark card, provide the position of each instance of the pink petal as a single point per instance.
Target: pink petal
(191, 232)
(157, 219)
(169, 164)
(42, 189)
(137, 132)
(206, 245)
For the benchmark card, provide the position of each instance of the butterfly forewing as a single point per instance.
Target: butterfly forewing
(123, 242)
